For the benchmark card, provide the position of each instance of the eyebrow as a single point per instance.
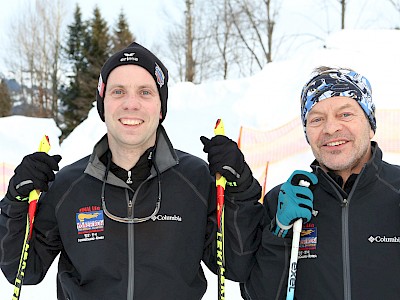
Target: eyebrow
(149, 85)
(141, 86)
(342, 107)
(111, 86)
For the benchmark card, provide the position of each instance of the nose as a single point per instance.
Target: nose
(331, 125)
(132, 102)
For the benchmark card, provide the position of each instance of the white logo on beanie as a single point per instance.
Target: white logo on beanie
(129, 57)
(100, 86)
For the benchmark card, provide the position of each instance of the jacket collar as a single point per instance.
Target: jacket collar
(369, 171)
(165, 157)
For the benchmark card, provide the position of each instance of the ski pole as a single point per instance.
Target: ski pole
(294, 253)
(220, 183)
(44, 146)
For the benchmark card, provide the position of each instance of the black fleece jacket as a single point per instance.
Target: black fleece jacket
(349, 251)
(102, 258)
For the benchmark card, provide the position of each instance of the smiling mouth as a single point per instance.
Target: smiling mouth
(130, 122)
(332, 144)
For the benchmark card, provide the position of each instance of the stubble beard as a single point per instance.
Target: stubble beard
(349, 162)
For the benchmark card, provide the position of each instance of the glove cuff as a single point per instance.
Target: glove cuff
(243, 183)
(12, 193)
(279, 229)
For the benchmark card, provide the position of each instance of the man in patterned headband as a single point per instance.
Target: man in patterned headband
(349, 244)
(335, 104)
(330, 83)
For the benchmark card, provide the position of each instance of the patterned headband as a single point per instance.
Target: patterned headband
(338, 82)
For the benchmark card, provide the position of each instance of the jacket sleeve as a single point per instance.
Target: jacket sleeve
(242, 231)
(243, 223)
(41, 252)
(268, 277)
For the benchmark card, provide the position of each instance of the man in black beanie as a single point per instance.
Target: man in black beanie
(135, 218)
(137, 55)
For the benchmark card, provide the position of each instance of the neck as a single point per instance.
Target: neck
(126, 158)
(345, 175)
(354, 169)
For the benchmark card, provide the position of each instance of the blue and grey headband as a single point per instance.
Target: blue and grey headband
(338, 82)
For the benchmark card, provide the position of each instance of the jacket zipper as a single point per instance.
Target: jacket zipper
(131, 242)
(346, 251)
(129, 180)
(346, 239)
(345, 232)
(130, 208)
(131, 251)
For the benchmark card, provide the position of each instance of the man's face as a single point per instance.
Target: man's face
(132, 108)
(339, 134)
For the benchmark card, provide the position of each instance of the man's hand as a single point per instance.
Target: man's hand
(225, 157)
(294, 201)
(34, 173)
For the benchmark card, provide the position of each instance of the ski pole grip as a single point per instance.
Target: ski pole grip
(219, 129)
(44, 146)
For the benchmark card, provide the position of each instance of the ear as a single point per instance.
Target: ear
(160, 115)
(371, 133)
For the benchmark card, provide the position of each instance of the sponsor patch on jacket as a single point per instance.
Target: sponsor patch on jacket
(89, 222)
(308, 241)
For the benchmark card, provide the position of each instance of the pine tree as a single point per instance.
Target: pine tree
(75, 110)
(97, 51)
(122, 36)
(88, 47)
(98, 43)
(5, 99)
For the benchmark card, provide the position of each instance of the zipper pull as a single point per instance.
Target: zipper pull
(130, 207)
(129, 180)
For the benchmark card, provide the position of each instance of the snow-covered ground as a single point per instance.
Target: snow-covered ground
(265, 101)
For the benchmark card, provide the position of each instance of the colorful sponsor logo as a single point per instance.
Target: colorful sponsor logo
(308, 239)
(159, 75)
(87, 222)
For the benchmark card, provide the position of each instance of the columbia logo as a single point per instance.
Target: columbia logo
(167, 218)
(383, 239)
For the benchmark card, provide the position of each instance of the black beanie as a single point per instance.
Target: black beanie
(137, 55)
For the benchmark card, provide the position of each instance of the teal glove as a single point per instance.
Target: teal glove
(295, 201)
